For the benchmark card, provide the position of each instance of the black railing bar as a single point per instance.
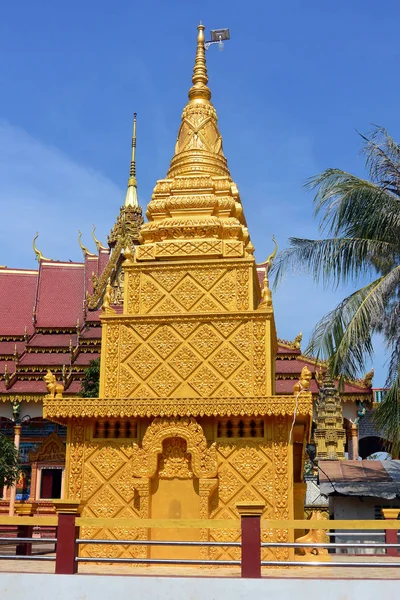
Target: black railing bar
(17, 540)
(160, 561)
(17, 557)
(158, 543)
(290, 563)
(327, 545)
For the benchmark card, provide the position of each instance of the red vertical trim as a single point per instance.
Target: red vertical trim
(391, 538)
(251, 546)
(24, 548)
(66, 545)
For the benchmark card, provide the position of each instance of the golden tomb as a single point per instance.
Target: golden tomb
(188, 424)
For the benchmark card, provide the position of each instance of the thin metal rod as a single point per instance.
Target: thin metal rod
(275, 563)
(361, 533)
(160, 561)
(158, 543)
(34, 557)
(327, 545)
(40, 540)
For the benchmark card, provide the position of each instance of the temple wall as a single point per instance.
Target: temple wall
(172, 471)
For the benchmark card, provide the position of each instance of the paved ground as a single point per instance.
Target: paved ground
(309, 572)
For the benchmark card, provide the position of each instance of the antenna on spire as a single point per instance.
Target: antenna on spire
(131, 198)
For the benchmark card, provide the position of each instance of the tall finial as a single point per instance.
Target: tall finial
(200, 90)
(38, 253)
(131, 198)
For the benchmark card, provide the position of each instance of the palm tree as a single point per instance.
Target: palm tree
(362, 219)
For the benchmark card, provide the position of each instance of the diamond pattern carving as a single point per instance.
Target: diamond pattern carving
(229, 483)
(122, 483)
(187, 293)
(105, 503)
(226, 361)
(207, 305)
(242, 340)
(247, 461)
(243, 381)
(185, 328)
(168, 306)
(168, 279)
(145, 329)
(127, 383)
(150, 294)
(144, 362)
(205, 381)
(225, 327)
(264, 484)
(207, 277)
(205, 340)
(185, 362)
(107, 461)
(164, 341)
(128, 342)
(225, 291)
(164, 382)
(91, 483)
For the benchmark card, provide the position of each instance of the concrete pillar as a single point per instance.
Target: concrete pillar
(250, 513)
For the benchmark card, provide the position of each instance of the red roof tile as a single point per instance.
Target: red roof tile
(60, 294)
(17, 298)
(9, 347)
(84, 358)
(52, 340)
(45, 359)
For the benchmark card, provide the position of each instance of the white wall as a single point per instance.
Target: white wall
(96, 587)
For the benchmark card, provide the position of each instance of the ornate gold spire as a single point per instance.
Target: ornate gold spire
(198, 199)
(131, 198)
(200, 90)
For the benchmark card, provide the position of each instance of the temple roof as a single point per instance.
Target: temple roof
(17, 296)
(59, 342)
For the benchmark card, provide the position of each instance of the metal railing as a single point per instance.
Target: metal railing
(250, 528)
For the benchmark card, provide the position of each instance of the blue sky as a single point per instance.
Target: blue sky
(291, 88)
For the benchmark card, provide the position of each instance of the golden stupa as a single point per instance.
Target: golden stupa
(188, 424)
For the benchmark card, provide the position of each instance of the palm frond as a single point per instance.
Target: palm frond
(344, 335)
(332, 261)
(387, 417)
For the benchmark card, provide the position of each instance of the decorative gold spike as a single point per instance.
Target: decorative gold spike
(297, 340)
(268, 263)
(39, 255)
(99, 245)
(85, 251)
(200, 90)
(131, 198)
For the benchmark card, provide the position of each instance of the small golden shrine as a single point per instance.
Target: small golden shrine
(188, 424)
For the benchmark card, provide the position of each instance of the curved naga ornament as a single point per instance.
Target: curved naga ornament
(268, 263)
(38, 253)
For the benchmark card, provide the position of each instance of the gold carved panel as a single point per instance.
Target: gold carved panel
(187, 357)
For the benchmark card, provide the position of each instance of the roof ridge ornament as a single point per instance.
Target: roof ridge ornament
(99, 245)
(85, 250)
(39, 255)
